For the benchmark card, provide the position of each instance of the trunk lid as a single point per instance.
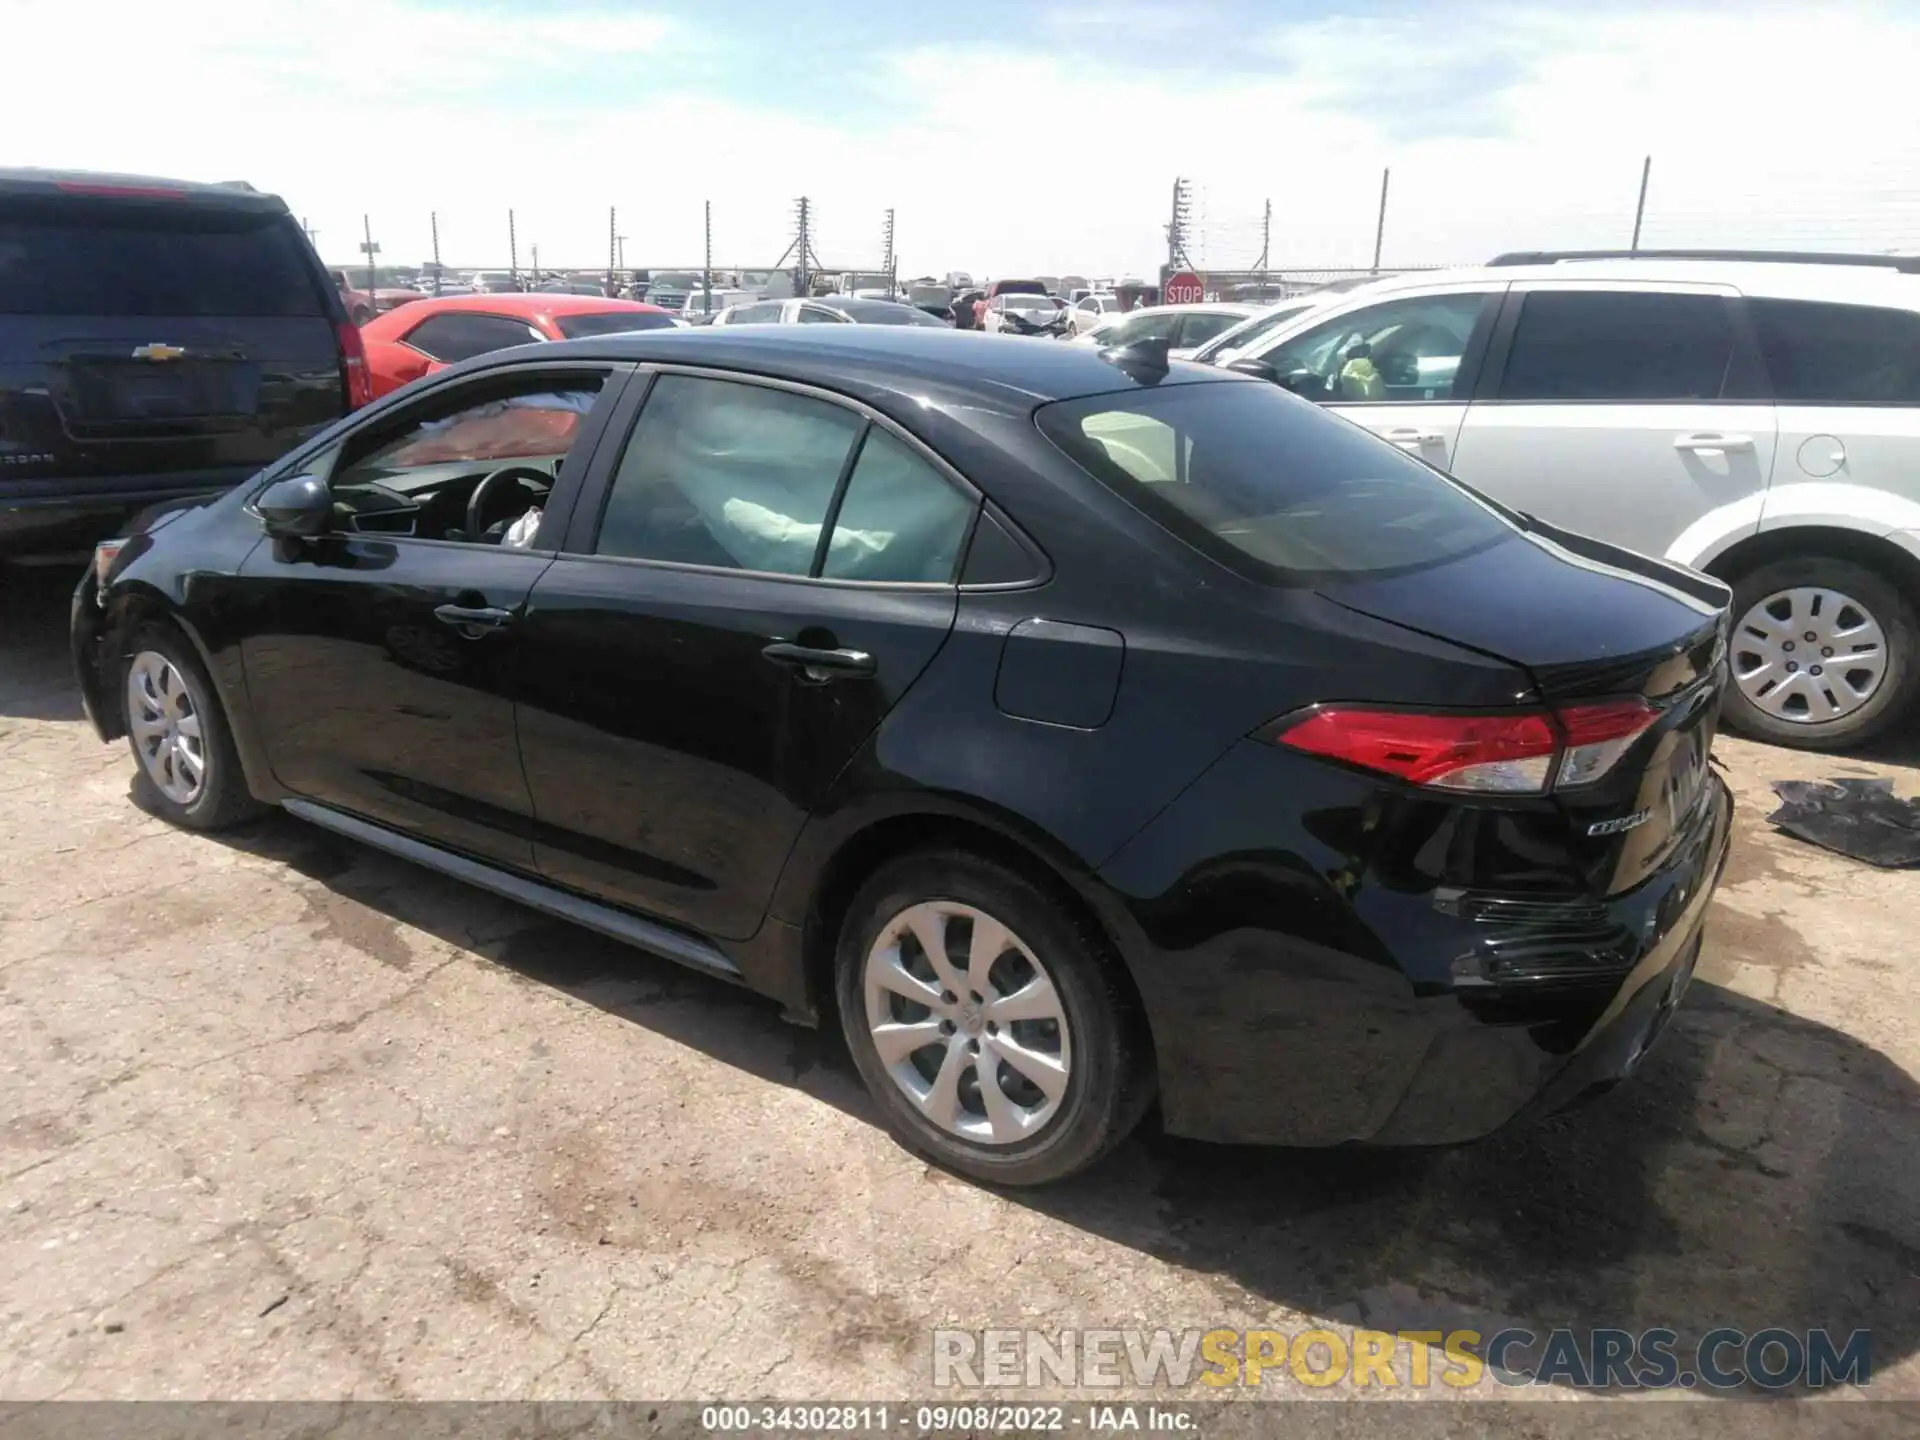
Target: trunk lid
(1589, 622)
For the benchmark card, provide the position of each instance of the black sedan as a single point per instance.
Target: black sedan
(1081, 728)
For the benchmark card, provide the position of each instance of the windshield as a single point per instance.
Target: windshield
(611, 322)
(1270, 485)
(676, 280)
(1040, 304)
(1242, 336)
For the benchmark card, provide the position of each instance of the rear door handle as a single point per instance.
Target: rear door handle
(472, 619)
(1407, 435)
(821, 665)
(1712, 440)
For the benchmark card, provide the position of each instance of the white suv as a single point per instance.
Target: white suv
(1754, 416)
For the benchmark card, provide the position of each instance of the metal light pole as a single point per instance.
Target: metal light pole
(371, 250)
(513, 252)
(1640, 210)
(536, 264)
(1380, 228)
(433, 218)
(706, 273)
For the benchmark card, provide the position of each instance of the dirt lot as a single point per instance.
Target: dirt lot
(283, 1118)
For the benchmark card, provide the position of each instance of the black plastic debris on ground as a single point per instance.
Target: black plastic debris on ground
(1862, 819)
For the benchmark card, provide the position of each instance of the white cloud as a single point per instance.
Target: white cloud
(1506, 126)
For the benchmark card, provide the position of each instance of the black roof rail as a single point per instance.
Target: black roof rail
(1905, 264)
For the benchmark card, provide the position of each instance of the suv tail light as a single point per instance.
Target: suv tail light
(353, 366)
(1511, 753)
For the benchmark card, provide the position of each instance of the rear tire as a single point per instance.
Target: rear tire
(1801, 692)
(186, 769)
(1020, 1061)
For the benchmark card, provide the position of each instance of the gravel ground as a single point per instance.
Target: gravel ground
(282, 1118)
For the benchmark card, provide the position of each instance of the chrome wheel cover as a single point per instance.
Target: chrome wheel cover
(1809, 656)
(967, 1023)
(165, 723)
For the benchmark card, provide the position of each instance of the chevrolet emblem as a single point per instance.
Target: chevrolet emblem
(158, 351)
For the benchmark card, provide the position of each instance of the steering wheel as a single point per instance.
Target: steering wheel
(477, 501)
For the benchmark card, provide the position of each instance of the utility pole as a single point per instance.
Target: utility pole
(536, 263)
(1640, 210)
(513, 252)
(1266, 242)
(1178, 225)
(613, 246)
(371, 250)
(313, 235)
(433, 218)
(706, 271)
(803, 247)
(1380, 226)
(886, 255)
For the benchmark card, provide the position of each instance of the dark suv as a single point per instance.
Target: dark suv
(158, 339)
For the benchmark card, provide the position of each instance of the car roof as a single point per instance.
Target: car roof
(106, 185)
(1778, 279)
(860, 304)
(903, 359)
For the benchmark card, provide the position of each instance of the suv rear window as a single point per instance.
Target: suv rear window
(1268, 484)
(109, 259)
(1839, 354)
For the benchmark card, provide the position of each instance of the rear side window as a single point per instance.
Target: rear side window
(899, 520)
(456, 336)
(106, 258)
(1197, 330)
(1613, 345)
(1268, 485)
(1839, 354)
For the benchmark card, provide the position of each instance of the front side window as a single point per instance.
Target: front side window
(1573, 345)
(1197, 329)
(1820, 354)
(419, 477)
(1154, 325)
(1248, 333)
(454, 336)
(819, 315)
(1269, 487)
(1406, 351)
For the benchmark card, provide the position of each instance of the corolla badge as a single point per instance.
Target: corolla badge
(1623, 822)
(158, 351)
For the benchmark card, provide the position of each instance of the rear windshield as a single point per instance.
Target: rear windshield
(611, 322)
(1268, 484)
(106, 259)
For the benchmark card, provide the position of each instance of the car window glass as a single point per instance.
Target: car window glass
(1156, 325)
(760, 314)
(815, 315)
(722, 473)
(1400, 350)
(899, 520)
(1839, 354)
(102, 258)
(416, 477)
(1268, 486)
(456, 336)
(611, 322)
(1198, 329)
(1247, 334)
(1614, 345)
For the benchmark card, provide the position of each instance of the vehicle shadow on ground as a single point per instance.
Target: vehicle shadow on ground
(1761, 1170)
(36, 669)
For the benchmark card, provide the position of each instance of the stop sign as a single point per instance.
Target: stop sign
(1183, 287)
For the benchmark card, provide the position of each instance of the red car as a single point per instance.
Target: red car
(429, 334)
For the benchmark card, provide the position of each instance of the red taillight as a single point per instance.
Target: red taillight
(1523, 753)
(353, 366)
(1597, 736)
(1503, 753)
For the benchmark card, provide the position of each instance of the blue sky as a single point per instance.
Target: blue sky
(1008, 136)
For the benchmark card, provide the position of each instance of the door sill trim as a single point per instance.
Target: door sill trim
(649, 935)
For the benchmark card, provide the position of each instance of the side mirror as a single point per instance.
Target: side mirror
(297, 508)
(1259, 369)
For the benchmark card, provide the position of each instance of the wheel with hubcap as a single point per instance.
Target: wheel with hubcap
(1822, 654)
(986, 1021)
(188, 771)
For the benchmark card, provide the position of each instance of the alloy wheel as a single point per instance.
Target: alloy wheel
(967, 1023)
(1809, 656)
(166, 727)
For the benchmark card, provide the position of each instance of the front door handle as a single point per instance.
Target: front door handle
(1712, 441)
(821, 666)
(472, 620)
(1407, 435)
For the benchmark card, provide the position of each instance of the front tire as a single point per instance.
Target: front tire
(986, 1023)
(1825, 654)
(186, 769)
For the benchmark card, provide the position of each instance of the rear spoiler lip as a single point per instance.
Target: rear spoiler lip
(1701, 587)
